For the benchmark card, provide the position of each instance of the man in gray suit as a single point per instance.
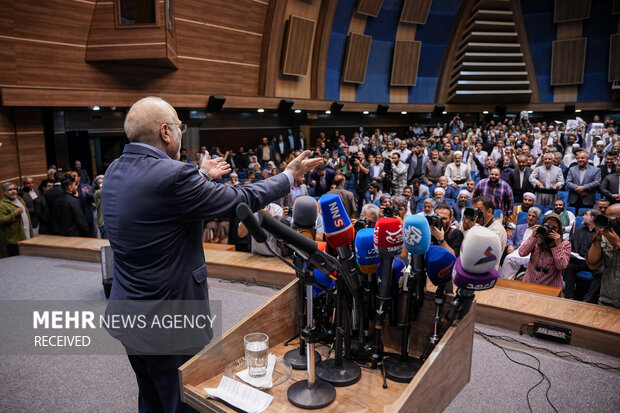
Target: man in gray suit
(547, 179)
(583, 181)
(610, 187)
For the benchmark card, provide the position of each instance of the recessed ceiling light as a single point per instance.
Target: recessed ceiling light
(485, 112)
(297, 110)
(444, 112)
(404, 112)
(328, 112)
(261, 110)
(365, 112)
(96, 107)
(577, 110)
(530, 111)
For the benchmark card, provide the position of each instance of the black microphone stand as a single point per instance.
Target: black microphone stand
(297, 357)
(339, 371)
(312, 393)
(404, 367)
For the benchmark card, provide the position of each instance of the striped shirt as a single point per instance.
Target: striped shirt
(553, 260)
(500, 193)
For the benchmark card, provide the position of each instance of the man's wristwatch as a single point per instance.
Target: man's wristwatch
(204, 173)
(440, 241)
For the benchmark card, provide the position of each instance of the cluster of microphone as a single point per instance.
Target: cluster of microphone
(361, 277)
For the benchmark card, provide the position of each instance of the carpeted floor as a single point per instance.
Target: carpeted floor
(106, 383)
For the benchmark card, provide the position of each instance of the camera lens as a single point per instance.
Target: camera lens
(601, 221)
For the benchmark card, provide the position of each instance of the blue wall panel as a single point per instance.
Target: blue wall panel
(434, 36)
(597, 30)
(376, 86)
(541, 32)
(337, 46)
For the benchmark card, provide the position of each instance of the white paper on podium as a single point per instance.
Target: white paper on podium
(241, 395)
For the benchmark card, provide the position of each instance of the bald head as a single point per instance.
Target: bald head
(153, 121)
(613, 211)
(145, 118)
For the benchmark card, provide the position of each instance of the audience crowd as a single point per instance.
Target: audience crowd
(549, 190)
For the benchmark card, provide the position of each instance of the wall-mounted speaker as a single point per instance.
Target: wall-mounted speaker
(500, 110)
(336, 107)
(439, 110)
(569, 109)
(215, 103)
(285, 106)
(382, 109)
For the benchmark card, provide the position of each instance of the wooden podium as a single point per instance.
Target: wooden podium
(440, 379)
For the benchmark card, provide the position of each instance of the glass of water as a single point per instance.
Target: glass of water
(256, 351)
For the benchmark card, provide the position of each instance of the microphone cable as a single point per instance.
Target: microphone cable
(544, 378)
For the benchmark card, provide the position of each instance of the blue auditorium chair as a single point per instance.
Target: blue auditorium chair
(522, 218)
(497, 213)
(563, 195)
(571, 209)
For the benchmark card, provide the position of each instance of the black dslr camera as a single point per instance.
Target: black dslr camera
(389, 211)
(544, 230)
(363, 222)
(603, 221)
(473, 214)
(435, 220)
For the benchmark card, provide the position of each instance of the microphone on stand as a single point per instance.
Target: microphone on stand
(388, 240)
(304, 214)
(439, 265)
(474, 269)
(312, 393)
(417, 238)
(367, 258)
(339, 234)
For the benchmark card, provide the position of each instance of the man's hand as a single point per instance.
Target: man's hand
(85, 191)
(18, 211)
(467, 224)
(557, 238)
(215, 167)
(437, 233)
(616, 197)
(539, 185)
(301, 166)
(612, 237)
(580, 189)
(510, 249)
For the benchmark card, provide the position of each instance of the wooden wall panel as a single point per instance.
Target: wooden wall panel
(614, 57)
(242, 15)
(356, 58)
(405, 63)
(568, 61)
(53, 20)
(570, 10)
(297, 46)
(271, 47)
(415, 11)
(369, 7)
(8, 73)
(224, 45)
(31, 141)
(9, 164)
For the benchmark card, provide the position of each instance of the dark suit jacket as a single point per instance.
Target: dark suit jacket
(154, 208)
(609, 186)
(605, 171)
(591, 181)
(69, 217)
(516, 238)
(517, 189)
(329, 178)
(27, 197)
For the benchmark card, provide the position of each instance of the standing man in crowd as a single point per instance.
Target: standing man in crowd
(605, 251)
(68, 213)
(156, 233)
(498, 191)
(610, 187)
(399, 174)
(348, 200)
(84, 177)
(457, 172)
(433, 169)
(581, 241)
(547, 179)
(583, 181)
(15, 223)
(416, 162)
(519, 179)
(29, 193)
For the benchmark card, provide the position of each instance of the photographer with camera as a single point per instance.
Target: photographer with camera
(442, 233)
(549, 253)
(605, 250)
(482, 213)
